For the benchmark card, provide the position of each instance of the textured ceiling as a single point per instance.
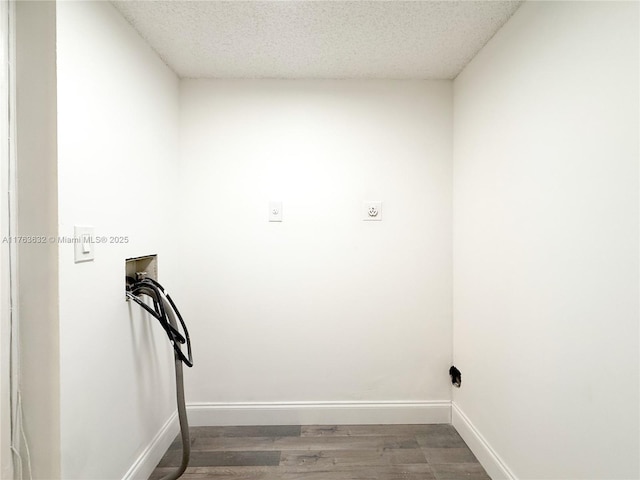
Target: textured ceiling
(317, 39)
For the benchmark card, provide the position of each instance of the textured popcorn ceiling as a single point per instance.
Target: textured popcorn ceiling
(317, 39)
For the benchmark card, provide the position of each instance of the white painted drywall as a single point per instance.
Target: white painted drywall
(7, 97)
(546, 241)
(37, 270)
(322, 307)
(117, 137)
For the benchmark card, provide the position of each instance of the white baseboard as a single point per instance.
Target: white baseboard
(149, 458)
(487, 456)
(287, 413)
(318, 413)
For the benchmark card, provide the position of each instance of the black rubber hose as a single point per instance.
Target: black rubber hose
(156, 295)
(163, 311)
(175, 337)
(188, 359)
(182, 411)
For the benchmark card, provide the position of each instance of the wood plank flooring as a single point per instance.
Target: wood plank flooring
(324, 452)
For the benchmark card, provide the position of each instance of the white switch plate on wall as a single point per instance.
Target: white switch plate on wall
(275, 211)
(83, 238)
(372, 211)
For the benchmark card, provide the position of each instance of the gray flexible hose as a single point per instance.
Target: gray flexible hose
(182, 411)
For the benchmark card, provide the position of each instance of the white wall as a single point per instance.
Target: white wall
(322, 307)
(7, 32)
(117, 126)
(37, 271)
(546, 243)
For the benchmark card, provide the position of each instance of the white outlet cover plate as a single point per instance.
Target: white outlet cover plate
(275, 211)
(372, 211)
(83, 238)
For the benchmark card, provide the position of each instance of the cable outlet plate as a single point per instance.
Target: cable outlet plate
(275, 211)
(372, 211)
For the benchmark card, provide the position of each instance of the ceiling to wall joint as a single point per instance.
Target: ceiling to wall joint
(317, 39)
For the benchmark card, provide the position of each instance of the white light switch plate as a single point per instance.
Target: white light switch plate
(83, 238)
(372, 211)
(275, 211)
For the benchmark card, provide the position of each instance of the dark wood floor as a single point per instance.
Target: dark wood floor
(321, 452)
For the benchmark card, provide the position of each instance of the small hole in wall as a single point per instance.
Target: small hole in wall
(456, 376)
